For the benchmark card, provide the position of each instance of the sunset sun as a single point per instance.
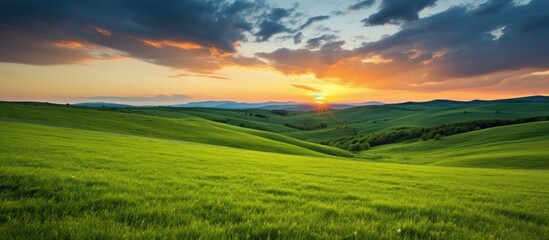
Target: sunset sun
(319, 98)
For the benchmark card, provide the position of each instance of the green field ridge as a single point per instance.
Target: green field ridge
(360, 142)
(514, 146)
(185, 128)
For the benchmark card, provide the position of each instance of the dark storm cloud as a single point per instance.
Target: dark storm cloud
(314, 19)
(268, 28)
(465, 37)
(396, 11)
(273, 24)
(458, 47)
(317, 41)
(361, 4)
(173, 33)
(301, 61)
(281, 20)
(278, 14)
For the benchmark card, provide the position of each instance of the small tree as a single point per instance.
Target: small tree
(353, 147)
(438, 136)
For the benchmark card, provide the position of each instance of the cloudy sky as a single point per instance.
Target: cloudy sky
(174, 51)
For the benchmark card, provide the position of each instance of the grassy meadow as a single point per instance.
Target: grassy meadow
(365, 119)
(164, 173)
(515, 146)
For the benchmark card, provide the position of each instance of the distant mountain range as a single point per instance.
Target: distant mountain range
(304, 107)
(271, 105)
(232, 104)
(290, 106)
(101, 104)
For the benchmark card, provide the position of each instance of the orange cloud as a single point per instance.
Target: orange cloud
(541, 73)
(192, 57)
(103, 31)
(171, 43)
(337, 65)
(219, 53)
(151, 43)
(68, 44)
(86, 51)
(215, 52)
(182, 45)
(376, 59)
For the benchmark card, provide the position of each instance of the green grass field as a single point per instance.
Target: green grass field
(83, 173)
(365, 119)
(184, 127)
(514, 146)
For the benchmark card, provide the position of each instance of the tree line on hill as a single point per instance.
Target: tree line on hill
(258, 115)
(361, 142)
(321, 125)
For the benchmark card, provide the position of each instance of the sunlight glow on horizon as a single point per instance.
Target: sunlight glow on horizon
(110, 78)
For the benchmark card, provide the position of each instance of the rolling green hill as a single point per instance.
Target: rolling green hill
(368, 119)
(192, 125)
(377, 118)
(515, 146)
(185, 128)
(61, 183)
(246, 118)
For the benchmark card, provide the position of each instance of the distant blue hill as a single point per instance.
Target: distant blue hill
(231, 104)
(101, 104)
(290, 106)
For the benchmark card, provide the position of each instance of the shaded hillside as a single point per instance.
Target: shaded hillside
(515, 146)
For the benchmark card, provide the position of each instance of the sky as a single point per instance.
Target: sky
(177, 51)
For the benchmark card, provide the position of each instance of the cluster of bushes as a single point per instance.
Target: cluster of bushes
(280, 112)
(360, 142)
(306, 128)
(257, 115)
(353, 144)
